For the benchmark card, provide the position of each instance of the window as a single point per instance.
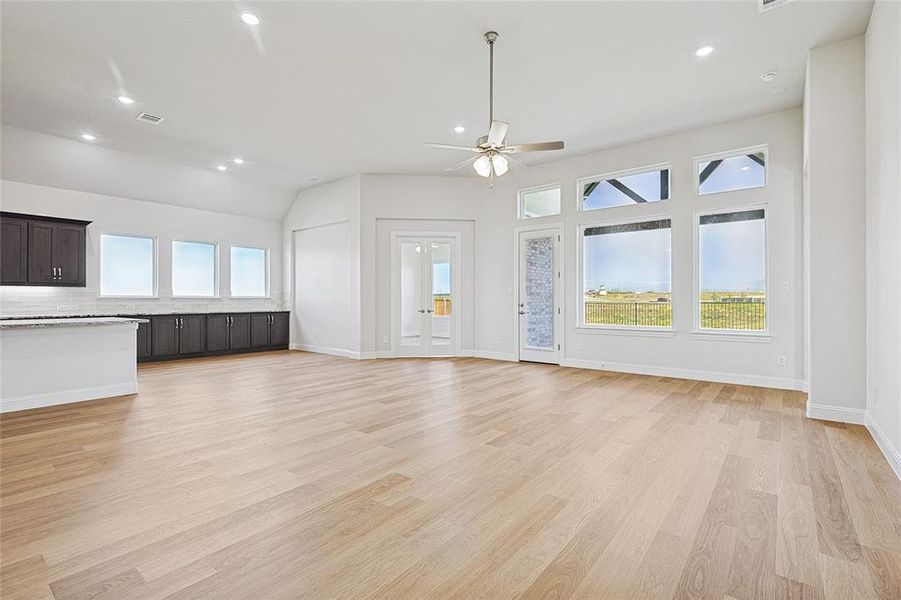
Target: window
(626, 188)
(738, 170)
(193, 269)
(248, 272)
(732, 270)
(539, 202)
(626, 274)
(127, 265)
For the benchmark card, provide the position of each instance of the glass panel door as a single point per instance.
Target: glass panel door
(539, 288)
(440, 305)
(411, 309)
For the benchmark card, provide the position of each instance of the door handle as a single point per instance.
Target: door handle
(421, 310)
(522, 312)
(430, 311)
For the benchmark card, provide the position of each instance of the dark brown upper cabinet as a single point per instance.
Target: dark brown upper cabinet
(40, 250)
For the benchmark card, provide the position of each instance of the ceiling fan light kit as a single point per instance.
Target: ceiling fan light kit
(490, 150)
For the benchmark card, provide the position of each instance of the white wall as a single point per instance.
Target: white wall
(122, 215)
(883, 208)
(836, 224)
(329, 213)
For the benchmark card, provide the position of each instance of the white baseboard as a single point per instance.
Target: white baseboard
(892, 454)
(67, 397)
(782, 383)
(841, 414)
(494, 355)
(355, 354)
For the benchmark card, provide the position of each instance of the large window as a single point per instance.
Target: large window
(627, 274)
(193, 269)
(626, 188)
(248, 272)
(127, 265)
(738, 170)
(732, 270)
(539, 202)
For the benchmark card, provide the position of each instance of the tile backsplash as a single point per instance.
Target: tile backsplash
(46, 301)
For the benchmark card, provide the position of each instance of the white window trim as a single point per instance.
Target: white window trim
(268, 294)
(215, 246)
(520, 205)
(155, 269)
(650, 330)
(696, 176)
(580, 183)
(743, 335)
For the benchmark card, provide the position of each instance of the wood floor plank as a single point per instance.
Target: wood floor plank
(296, 475)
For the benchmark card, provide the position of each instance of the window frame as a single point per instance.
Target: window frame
(580, 184)
(697, 331)
(649, 330)
(155, 268)
(215, 246)
(520, 204)
(696, 162)
(267, 253)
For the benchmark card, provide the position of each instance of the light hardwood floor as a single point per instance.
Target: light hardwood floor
(295, 475)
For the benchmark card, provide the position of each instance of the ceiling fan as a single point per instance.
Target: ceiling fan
(491, 152)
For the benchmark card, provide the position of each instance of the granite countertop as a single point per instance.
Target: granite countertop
(137, 314)
(72, 322)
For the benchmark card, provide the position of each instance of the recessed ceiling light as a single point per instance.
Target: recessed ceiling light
(238, 161)
(459, 129)
(704, 51)
(125, 100)
(88, 137)
(222, 167)
(768, 76)
(250, 18)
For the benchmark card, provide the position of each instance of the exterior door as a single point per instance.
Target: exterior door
(540, 291)
(425, 307)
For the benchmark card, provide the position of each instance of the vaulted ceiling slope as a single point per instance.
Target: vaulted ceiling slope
(325, 89)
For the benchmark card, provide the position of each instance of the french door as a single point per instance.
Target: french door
(425, 309)
(539, 305)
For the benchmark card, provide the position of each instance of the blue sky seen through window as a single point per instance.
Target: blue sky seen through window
(193, 269)
(633, 261)
(733, 256)
(733, 173)
(606, 195)
(126, 265)
(248, 272)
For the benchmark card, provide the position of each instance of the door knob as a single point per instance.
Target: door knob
(421, 310)
(522, 312)
(430, 311)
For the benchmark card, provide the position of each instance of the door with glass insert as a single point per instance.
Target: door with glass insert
(539, 308)
(425, 309)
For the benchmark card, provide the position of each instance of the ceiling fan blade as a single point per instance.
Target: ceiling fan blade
(461, 164)
(451, 147)
(517, 163)
(532, 147)
(497, 133)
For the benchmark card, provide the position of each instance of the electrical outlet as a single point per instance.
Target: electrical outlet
(785, 286)
(780, 360)
(384, 339)
(131, 307)
(875, 396)
(579, 345)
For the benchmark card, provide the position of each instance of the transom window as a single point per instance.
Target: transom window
(127, 265)
(639, 186)
(732, 270)
(737, 170)
(541, 201)
(627, 274)
(193, 269)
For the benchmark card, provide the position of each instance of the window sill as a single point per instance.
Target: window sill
(197, 297)
(664, 332)
(732, 336)
(250, 297)
(128, 297)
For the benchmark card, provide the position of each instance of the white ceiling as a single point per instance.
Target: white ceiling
(328, 89)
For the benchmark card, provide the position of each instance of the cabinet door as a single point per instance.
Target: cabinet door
(163, 335)
(143, 339)
(69, 253)
(13, 251)
(278, 330)
(40, 252)
(239, 332)
(192, 334)
(259, 330)
(217, 333)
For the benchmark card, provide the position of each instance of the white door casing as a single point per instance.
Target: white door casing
(539, 304)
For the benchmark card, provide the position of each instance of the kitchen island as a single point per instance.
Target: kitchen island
(44, 362)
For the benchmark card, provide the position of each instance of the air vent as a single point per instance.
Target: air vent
(148, 118)
(768, 4)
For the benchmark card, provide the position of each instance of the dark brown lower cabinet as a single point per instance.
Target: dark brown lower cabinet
(181, 336)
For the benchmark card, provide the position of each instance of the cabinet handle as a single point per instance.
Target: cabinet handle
(270, 319)
(59, 272)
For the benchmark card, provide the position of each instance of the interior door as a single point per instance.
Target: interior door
(425, 319)
(540, 286)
